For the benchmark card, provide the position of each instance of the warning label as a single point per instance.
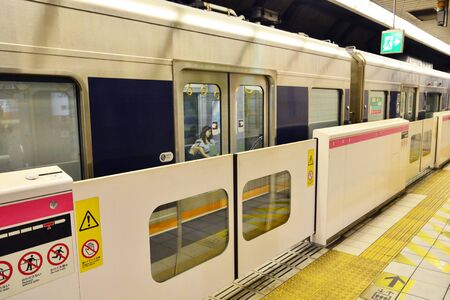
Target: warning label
(89, 234)
(30, 252)
(89, 222)
(310, 168)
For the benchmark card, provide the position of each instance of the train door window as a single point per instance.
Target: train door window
(250, 117)
(408, 104)
(188, 232)
(432, 104)
(248, 112)
(377, 105)
(202, 126)
(39, 124)
(266, 204)
(324, 109)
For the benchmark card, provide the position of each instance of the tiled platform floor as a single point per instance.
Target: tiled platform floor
(402, 253)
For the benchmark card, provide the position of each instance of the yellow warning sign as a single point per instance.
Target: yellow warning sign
(89, 233)
(310, 168)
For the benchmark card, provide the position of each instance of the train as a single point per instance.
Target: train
(105, 87)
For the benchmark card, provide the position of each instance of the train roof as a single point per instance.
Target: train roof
(184, 17)
(187, 18)
(386, 62)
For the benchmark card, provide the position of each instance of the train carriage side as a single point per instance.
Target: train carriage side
(130, 101)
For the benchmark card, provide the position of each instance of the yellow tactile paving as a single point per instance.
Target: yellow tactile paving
(338, 275)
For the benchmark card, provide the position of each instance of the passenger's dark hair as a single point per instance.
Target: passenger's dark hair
(203, 134)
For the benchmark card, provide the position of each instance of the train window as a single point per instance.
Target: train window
(414, 153)
(39, 124)
(202, 136)
(377, 105)
(426, 145)
(266, 204)
(186, 233)
(250, 118)
(323, 109)
(432, 104)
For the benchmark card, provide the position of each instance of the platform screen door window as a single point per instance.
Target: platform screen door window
(250, 118)
(39, 125)
(266, 204)
(202, 126)
(324, 109)
(432, 104)
(377, 105)
(188, 232)
(414, 153)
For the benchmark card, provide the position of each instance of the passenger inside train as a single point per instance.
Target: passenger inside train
(205, 146)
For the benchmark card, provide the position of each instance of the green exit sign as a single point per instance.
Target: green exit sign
(392, 41)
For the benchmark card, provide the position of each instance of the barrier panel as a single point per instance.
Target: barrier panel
(414, 149)
(360, 166)
(443, 138)
(428, 149)
(163, 232)
(275, 201)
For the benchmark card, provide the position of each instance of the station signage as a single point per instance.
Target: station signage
(392, 41)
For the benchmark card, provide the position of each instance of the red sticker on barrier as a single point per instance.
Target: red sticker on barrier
(30, 263)
(6, 271)
(58, 254)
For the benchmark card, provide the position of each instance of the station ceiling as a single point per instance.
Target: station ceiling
(324, 20)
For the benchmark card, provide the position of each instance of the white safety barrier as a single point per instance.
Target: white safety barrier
(443, 138)
(126, 202)
(266, 178)
(414, 150)
(37, 251)
(422, 148)
(360, 167)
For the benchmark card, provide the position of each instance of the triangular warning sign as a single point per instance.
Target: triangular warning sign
(88, 222)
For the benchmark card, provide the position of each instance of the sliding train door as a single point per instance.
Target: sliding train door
(408, 103)
(219, 112)
(248, 112)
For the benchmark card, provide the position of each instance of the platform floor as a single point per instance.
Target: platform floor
(401, 253)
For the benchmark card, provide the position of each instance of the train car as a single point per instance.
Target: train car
(103, 87)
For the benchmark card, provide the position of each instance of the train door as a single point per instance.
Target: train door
(219, 113)
(432, 104)
(248, 112)
(408, 103)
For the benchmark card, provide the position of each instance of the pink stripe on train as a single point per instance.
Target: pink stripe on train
(353, 139)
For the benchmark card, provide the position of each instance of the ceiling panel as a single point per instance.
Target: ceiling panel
(403, 6)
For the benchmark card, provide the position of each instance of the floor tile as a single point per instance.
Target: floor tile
(348, 249)
(356, 244)
(404, 296)
(423, 241)
(400, 269)
(408, 259)
(438, 254)
(447, 296)
(372, 230)
(435, 265)
(427, 291)
(431, 277)
(364, 237)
